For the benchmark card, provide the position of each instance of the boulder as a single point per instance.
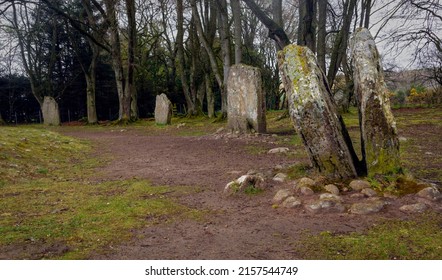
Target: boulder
(359, 185)
(291, 202)
(414, 208)
(163, 110)
(279, 150)
(242, 183)
(332, 189)
(245, 100)
(430, 193)
(281, 195)
(369, 192)
(280, 177)
(368, 207)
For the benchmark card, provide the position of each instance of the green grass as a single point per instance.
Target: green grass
(406, 240)
(48, 197)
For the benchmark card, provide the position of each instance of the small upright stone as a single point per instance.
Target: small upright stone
(163, 110)
(51, 114)
(245, 100)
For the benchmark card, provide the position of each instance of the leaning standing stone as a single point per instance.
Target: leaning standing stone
(163, 110)
(378, 129)
(314, 113)
(51, 114)
(245, 99)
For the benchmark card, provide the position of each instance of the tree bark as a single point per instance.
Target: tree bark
(224, 33)
(210, 97)
(132, 44)
(275, 31)
(307, 24)
(341, 42)
(236, 11)
(322, 32)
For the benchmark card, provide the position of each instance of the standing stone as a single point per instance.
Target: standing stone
(163, 110)
(380, 144)
(51, 114)
(245, 99)
(314, 114)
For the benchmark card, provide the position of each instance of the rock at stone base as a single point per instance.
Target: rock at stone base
(357, 195)
(330, 196)
(163, 110)
(359, 185)
(306, 182)
(329, 206)
(239, 185)
(430, 193)
(332, 189)
(280, 150)
(304, 190)
(51, 114)
(281, 195)
(369, 192)
(291, 202)
(365, 208)
(280, 177)
(414, 208)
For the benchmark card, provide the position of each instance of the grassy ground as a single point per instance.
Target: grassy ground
(47, 197)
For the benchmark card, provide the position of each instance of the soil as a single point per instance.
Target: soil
(235, 227)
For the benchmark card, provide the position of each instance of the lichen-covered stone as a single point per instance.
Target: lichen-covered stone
(243, 182)
(163, 110)
(291, 202)
(364, 208)
(279, 150)
(359, 185)
(281, 195)
(325, 205)
(51, 114)
(380, 148)
(330, 196)
(314, 113)
(280, 177)
(414, 208)
(430, 193)
(245, 100)
(305, 182)
(369, 192)
(332, 189)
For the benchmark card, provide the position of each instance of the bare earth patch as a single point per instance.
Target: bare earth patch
(237, 227)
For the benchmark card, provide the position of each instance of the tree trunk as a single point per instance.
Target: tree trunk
(210, 97)
(236, 11)
(380, 145)
(180, 56)
(224, 33)
(307, 24)
(130, 87)
(322, 32)
(315, 116)
(340, 45)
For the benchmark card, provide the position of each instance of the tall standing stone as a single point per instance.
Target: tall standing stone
(245, 99)
(163, 110)
(314, 113)
(380, 144)
(51, 114)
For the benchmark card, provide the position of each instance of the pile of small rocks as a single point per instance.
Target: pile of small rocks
(356, 198)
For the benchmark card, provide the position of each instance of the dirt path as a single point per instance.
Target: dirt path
(244, 227)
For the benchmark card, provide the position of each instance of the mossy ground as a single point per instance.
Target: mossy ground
(48, 197)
